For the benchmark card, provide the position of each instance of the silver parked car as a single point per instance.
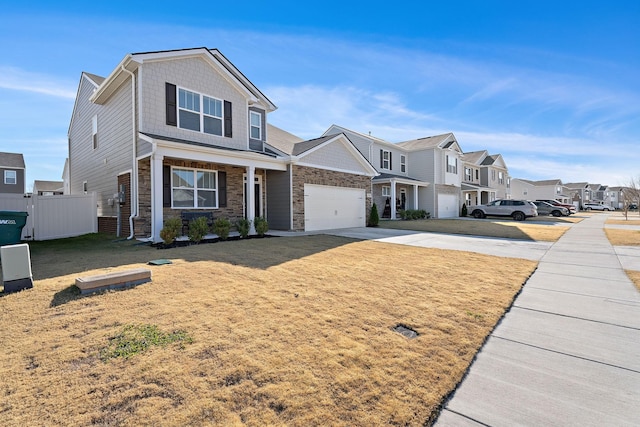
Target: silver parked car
(517, 209)
(545, 208)
(596, 207)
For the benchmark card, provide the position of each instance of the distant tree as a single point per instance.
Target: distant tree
(631, 194)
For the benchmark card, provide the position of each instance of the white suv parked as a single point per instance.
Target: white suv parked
(517, 209)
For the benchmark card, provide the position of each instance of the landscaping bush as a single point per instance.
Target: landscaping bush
(198, 228)
(413, 214)
(221, 227)
(374, 218)
(464, 212)
(262, 226)
(243, 225)
(170, 230)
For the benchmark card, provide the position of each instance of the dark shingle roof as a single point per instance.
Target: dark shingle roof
(11, 160)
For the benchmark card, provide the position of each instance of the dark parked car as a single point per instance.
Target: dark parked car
(517, 209)
(571, 208)
(545, 208)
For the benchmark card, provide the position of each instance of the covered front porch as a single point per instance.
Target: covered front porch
(392, 194)
(178, 178)
(477, 195)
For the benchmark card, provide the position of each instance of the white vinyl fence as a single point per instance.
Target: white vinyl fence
(54, 217)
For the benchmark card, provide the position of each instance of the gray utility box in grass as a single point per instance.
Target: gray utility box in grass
(16, 267)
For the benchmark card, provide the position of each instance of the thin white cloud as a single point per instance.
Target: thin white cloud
(13, 78)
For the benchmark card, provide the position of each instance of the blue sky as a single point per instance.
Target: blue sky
(553, 86)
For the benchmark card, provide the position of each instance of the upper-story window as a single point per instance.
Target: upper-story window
(508, 182)
(194, 188)
(403, 163)
(493, 175)
(255, 125)
(500, 177)
(468, 174)
(199, 113)
(10, 177)
(385, 159)
(558, 190)
(94, 131)
(452, 164)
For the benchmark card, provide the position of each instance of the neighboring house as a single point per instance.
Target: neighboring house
(579, 193)
(48, 188)
(550, 189)
(185, 130)
(13, 172)
(424, 173)
(485, 178)
(66, 186)
(615, 197)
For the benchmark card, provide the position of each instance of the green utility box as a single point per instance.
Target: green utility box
(11, 225)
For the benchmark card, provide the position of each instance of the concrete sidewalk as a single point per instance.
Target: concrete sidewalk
(568, 351)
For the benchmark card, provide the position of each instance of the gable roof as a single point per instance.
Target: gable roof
(48, 185)
(132, 61)
(446, 140)
(541, 183)
(12, 160)
(281, 140)
(304, 146)
(475, 157)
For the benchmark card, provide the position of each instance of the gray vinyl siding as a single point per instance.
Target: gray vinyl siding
(100, 167)
(334, 155)
(361, 143)
(197, 75)
(18, 187)
(279, 200)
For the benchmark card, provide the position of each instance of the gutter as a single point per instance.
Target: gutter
(134, 171)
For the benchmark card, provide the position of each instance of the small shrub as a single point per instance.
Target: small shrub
(221, 227)
(198, 228)
(262, 226)
(170, 230)
(413, 214)
(464, 211)
(374, 218)
(243, 225)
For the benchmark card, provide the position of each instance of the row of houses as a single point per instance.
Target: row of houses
(185, 130)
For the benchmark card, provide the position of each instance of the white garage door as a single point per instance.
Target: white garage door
(447, 206)
(328, 207)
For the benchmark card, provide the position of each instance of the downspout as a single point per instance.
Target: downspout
(134, 172)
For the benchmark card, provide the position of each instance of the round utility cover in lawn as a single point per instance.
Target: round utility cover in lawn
(327, 207)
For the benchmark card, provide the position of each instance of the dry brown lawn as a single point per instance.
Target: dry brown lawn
(508, 229)
(285, 331)
(635, 277)
(622, 237)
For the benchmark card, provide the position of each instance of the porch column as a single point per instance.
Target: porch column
(250, 209)
(415, 197)
(393, 199)
(157, 211)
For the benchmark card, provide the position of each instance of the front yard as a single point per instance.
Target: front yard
(278, 331)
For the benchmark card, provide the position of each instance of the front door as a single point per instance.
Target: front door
(257, 188)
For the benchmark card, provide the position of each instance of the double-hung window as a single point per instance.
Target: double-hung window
(255, 125)
(452, 164)
(194, 188)
(385, 159)
(199, 113)
(468, 174)
(403, 163)
(386, 191)
(500, 177)
(10, 177)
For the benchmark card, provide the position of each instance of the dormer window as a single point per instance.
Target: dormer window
(255, 125)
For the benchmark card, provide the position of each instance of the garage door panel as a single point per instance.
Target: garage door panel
(329, 207)
(447, 206)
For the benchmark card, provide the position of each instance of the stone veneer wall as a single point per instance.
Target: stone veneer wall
(142, 222)
(306, 175)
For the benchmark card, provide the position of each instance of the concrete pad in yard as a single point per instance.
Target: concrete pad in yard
(600, 309)
(595, 341)
(619, 288)
(451, 419)
(514, 384)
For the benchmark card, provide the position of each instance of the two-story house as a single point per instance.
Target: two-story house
(578, 193)
(12, 171)
(485, 178)
(185, 130)
(422, 173)
(550, 189)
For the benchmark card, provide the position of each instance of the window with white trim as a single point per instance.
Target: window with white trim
(452, 164)
(493, 175)
(468, 174)
(94, 131)
(500, 177)
(10, 177)
(194, 188)
(386, 191)
(403, 163)
(386, 159)
(199, 113)
(255, 124)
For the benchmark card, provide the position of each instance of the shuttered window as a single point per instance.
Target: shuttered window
(194, 111)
